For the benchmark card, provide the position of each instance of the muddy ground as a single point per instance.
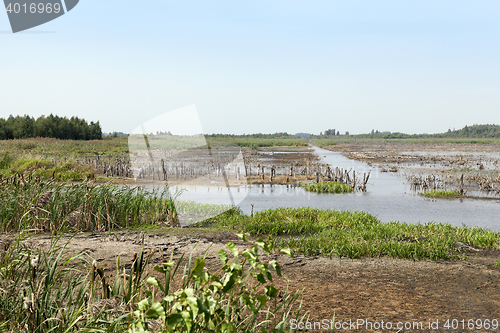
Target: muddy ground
(373, 289)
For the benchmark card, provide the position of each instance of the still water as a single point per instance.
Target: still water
(387, 197)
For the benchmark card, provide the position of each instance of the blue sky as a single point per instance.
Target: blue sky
(261, 66)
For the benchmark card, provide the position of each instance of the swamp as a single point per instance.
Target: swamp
(101, 236)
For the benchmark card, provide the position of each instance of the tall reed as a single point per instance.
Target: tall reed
(29, 202)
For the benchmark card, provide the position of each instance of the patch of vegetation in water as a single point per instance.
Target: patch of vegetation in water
(440, 194)
(328, 187)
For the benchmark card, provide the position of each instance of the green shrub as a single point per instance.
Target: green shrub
(238, 297)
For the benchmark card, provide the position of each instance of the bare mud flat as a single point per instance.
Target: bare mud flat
(370, 289)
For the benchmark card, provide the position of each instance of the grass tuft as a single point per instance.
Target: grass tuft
(440, 194)
(27, 201)
(328, 187)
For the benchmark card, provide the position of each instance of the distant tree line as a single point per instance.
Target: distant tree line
(49, 127)
(475, 131)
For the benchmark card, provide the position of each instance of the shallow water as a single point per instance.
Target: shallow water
(387, 197)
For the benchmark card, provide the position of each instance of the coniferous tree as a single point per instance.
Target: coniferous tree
(49, 127)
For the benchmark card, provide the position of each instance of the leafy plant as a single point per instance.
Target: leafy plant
(238, 297)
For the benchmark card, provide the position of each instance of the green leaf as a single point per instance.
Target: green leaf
(235, 267)
(230, 245)
(169, 298)
(271, 291)
(249, 301)
(262, 299)
(276, 266)
(169, 264)
(186, 315)
(160, 269)
(248, 255)
(143, 305)
(156, 311)
(287, 251)
(259, 277)
(260, 243)
(199, 264)
(193, 304)
(264, 268)
(243, 237)
(228, 327)
(173, 320)
(216, 284)
(153, 281)
(223, 256)
(228, 282)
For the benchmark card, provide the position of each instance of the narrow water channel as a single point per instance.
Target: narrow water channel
(387, 197)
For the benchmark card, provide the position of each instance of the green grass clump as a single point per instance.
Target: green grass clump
(45, 168)
(358, 234)
(328, 187)
(27, 201)
(440, 194)
(6, 160)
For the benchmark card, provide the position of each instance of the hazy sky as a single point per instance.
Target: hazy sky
(261, 66)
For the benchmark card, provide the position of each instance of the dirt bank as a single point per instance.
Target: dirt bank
(373, 289)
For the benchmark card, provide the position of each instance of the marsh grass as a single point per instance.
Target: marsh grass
(27, 201)
(440, 194)
(328, 187)
(54, 290)
(358, 234)
(67, 148)
(45, 168)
